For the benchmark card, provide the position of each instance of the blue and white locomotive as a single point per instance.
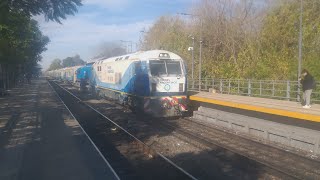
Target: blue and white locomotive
(83, 75)
(150, 81)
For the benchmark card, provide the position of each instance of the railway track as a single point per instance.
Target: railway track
(195, 135)
(286, 163)
(251, 154)
(128, 156)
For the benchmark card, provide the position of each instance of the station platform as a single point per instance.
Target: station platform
(280, 111)
(39, 139)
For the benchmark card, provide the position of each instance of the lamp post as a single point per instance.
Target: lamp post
(300, 48)
(200, 64)
(200, 50)
(130, 45)
(140, 39)
(192, 54)
(142, 32)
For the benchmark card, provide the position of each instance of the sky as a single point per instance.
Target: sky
(101, 21)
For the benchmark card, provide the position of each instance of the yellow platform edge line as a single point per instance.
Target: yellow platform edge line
(298, 115)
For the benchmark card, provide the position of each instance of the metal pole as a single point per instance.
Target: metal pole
(125, 45)
(273, 89)
(144, 40)
(213, 84)
(229, 86)
(200, 59)
(192, 58)
(128, 45)
(200, 56)
(288, 90)
(260, 88)
(249, 87)
(206, 85)
(300, 48)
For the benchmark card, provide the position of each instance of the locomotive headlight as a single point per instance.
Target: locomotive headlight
(180, 87)
(153, 87)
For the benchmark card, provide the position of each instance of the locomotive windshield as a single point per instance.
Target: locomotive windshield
(164, 67)
(173, 67)
(157, 68)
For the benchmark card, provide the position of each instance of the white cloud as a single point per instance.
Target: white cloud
(112, 5)
(121, 5)
(80, 35)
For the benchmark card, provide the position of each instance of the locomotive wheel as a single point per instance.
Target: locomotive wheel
(134, 105)
(121, 99)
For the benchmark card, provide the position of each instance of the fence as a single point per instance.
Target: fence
(275, 89)
(9, 76)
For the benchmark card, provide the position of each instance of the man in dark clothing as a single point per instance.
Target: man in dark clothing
(28, 76)
(308, 84)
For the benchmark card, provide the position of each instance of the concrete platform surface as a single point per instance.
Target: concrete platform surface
(39, 139)
(269, 106)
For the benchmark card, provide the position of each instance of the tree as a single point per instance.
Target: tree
(226, 28)
(21, 41)
(54, 10)
(170, 33)
(55, 64)
(279, 39)
(72, 61)
(243, 39)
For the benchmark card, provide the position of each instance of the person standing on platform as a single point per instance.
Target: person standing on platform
(28, 76)
(308, 84)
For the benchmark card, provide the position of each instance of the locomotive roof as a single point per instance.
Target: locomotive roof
(145, 55)
(71, 67)
(66, 68)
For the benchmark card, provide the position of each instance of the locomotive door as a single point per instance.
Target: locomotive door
(137, 72)
(141, 82)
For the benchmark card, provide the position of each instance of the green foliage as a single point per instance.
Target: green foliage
(261, 45)
(72, 61)
(21, 40)
(55, 64)
(54, 10)
(67, 62)
(170, 33)
(279, 38)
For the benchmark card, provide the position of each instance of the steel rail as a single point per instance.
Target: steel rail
(135, 138)
(94, 145)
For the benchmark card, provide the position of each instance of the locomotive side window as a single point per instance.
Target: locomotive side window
(173, 67)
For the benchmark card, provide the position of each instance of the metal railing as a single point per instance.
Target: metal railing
(274, 89)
